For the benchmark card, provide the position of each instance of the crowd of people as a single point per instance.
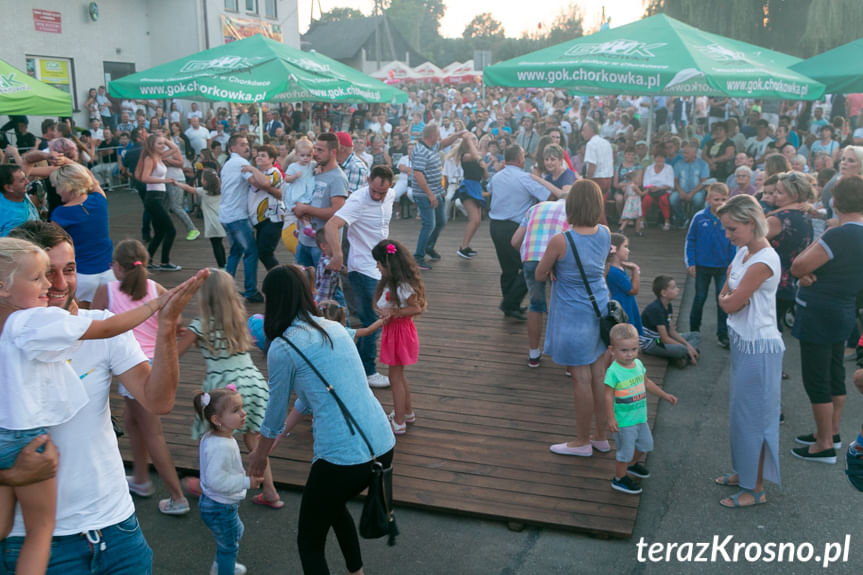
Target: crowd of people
(770, 194)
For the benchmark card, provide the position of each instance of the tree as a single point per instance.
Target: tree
(418, 21)
(802, 28)
(338, 14)
(483, 26)
(568, 25)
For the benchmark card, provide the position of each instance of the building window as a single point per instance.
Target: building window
(56, 72)
(270, 9)
(252, 6)
(232, 6)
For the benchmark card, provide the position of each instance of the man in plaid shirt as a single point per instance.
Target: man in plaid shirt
(539, 224)
(354, 168)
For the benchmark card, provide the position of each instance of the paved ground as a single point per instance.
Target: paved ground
(815, 505)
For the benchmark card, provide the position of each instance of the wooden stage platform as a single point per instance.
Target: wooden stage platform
(485, 420)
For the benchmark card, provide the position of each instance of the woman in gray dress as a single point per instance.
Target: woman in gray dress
(572, 333)
(749, 299)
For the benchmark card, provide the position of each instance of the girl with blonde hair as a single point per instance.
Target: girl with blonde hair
(221, 332)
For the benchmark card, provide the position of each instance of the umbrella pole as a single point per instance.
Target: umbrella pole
(261, 125)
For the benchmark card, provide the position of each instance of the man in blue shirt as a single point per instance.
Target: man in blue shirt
(513, 193)
(15, 207)
(690, 177)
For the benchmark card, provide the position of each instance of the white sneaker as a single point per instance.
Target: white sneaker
(239, 569)
(378, 380)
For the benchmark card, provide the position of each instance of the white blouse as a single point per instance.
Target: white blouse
(38, 386)
(756, 322)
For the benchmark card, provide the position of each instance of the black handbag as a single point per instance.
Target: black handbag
(378, 518)
(614, 314)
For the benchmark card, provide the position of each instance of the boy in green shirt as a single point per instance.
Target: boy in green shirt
(626, 402)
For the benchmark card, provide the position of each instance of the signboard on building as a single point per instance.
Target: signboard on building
(47, 21)
(235, 28)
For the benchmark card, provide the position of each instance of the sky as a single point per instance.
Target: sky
(516, 16)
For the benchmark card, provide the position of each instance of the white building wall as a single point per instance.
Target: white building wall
(143, 32)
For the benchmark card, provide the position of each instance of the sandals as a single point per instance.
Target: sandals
(259, 500)
(726, 480)
(758, 498)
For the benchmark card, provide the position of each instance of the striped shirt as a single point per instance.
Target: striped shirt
(427, 161)
(541, 222)
(356, 172)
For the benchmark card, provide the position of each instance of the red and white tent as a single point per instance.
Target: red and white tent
(428, 73)
(394, 73)
(462, 73)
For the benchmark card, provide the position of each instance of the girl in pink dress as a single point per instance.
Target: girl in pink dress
(400, 296)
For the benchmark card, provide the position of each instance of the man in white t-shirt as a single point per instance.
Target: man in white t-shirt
(96, 531)
(194, 113)
(598, 159)
(367, 212)
(197, 134)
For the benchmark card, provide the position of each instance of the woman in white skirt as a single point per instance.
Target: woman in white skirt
(749, 299)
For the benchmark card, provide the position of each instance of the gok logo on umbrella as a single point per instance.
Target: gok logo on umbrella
(222, 64)
(9, 85)
(624, 49)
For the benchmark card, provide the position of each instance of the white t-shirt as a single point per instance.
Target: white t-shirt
(223, 478)
(599, 153)
(405, 292)
(756, 321)
(38, 387)
(368, 223)
(198, 138)
(664, 178)
(92, 490)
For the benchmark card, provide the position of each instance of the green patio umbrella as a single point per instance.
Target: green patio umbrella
(839, 69)
(21, 94)
(658, 56)
(255, 69)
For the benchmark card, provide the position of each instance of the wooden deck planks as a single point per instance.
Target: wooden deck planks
(485, 420)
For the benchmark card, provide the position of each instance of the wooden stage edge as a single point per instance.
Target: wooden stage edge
(480, 447)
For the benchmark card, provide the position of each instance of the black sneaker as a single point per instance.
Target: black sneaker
(809, 439)
(464, 253)
(638, 470)
(723, 341)
(154, 267)
(533, 361)
(854, 466)
(170, 268)
(255, 298)
(826, 456)
(626, 484)
(423, 266)
(432, 254)
(470, 251)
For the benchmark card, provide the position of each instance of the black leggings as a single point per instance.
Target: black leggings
(218, 251)
(269, 234)
(163, 227)
(823, 370)
(327, 490)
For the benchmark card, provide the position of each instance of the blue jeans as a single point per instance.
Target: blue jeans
(363, 291)
(241, 238)
(697, 202)
(224, 521)
(119, 549)
(703, 275)
(433, 221)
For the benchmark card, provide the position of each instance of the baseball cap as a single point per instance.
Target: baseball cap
(345, 139)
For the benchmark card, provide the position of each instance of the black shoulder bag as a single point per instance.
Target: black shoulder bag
(614, 314)
(378, 518)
